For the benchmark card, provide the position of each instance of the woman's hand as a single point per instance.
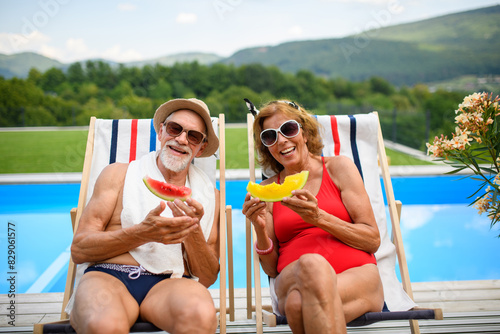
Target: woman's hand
(305, 205)
(255, 210)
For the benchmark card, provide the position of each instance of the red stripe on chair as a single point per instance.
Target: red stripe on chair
(335, 134)
(133, 140)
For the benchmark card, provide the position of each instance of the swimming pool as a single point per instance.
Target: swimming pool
(444, 238)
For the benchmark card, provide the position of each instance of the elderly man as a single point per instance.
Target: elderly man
(146, 258)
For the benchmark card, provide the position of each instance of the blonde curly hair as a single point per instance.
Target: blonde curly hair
(310, 130)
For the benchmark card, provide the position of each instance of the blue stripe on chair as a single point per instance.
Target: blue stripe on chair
(152, 138)
(114, 142)
(354, 145)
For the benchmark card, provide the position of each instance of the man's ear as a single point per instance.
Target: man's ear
(202, 148)
(160, 132)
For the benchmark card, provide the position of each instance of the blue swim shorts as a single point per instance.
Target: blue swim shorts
(137, 279)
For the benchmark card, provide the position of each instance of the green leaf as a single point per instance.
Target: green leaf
(488, 170)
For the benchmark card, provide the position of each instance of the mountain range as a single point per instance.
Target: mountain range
(432, 50)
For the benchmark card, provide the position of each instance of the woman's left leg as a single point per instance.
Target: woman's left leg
(308, 296)
(361, 291)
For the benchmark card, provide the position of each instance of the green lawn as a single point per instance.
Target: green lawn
(42, 151)
(63, 151)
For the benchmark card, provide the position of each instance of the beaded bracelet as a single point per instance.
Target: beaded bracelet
(265, 251)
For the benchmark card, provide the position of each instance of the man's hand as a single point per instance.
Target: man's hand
(167, 230)
(191, 208)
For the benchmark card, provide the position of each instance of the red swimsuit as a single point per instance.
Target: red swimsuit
(296, 237)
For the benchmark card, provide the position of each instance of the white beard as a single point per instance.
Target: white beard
(173, 162)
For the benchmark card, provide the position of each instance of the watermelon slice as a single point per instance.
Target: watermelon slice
(166, 191)
(276, 192)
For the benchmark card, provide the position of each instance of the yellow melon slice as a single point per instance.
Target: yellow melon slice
(276, 192)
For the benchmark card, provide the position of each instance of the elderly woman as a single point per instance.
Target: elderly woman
(319, 243)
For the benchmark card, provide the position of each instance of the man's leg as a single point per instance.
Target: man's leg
(103, 305)
(180, 306)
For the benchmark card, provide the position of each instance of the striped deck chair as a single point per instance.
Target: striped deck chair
(358, 137)
(125, 140)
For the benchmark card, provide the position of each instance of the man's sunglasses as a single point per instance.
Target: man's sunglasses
(175, 129)
(288, 129)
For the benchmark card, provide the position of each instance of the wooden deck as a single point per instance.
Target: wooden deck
(468, 307)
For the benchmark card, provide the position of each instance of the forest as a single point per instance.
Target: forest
(409, 115)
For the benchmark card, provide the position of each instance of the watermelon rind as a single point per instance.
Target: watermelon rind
(166, 191)
(276, 192)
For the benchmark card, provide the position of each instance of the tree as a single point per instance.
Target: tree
(87, 91)
(76, 74)
(16, 96)
(312, 89)
(162, 91)
(137, 107)
(100, 109)
(124, 88)
(380, 85)
(100, 73)
(256, 77)
(221, 77)
(35, 76)
(51, 79)
(442, 105)
(230, 102)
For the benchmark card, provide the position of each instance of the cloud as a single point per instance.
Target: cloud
(126, 7)
(51, 52)
(75, 49)
(34, 42)
(115, 53)
(76, 45)
(375, 2)
(239, 223)
(296, 31)
(186, 18)
(15, 43)
(408, 250)
(415, 216)
(448, 243)
(479, 223)
(370, 2)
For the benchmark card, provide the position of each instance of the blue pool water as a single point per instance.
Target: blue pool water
(444, 238)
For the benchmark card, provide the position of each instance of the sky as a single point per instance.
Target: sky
(132, 30)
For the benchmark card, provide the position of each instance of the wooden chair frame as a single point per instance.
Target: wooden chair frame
(225, 229)
(263, 313)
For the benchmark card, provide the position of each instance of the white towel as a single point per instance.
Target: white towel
(202, 191)
(138, 201)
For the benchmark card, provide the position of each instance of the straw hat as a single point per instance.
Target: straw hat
(198, 107)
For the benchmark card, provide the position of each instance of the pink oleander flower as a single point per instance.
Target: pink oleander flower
(460, 139)
(482, 205)
(497, 180)
(474, 145)
(470, 100)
